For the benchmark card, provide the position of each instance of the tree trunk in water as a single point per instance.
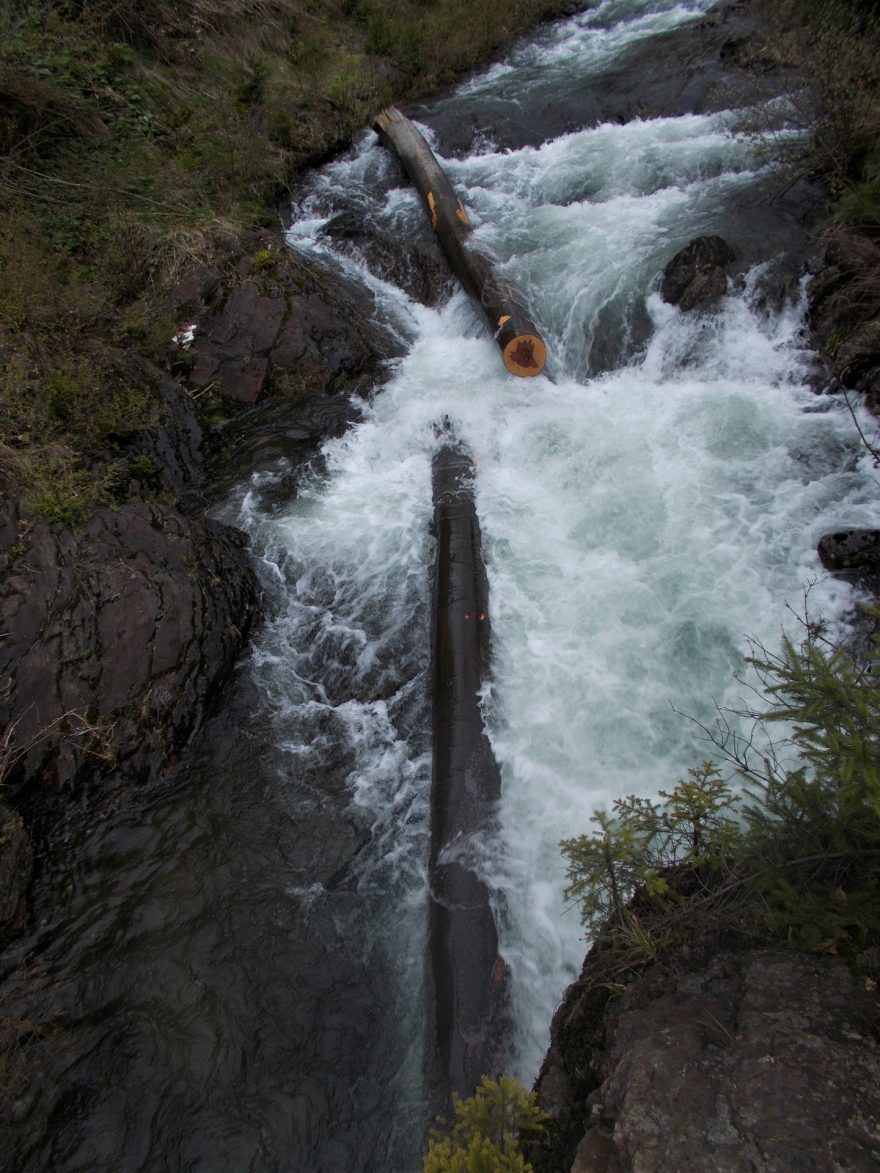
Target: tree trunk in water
(522, 348)
(467, 974)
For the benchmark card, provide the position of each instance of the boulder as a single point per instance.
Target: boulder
(766, 1060)
(413, 262)
(761, 1059)
(850, 549)
(279, 324)
(697, 275)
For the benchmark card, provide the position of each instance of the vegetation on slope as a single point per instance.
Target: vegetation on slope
(834, 48)
(133, 133)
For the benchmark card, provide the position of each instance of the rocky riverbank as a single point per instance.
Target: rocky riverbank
(120, 633)
(123, 630)
(717, 1058)
(123, 609)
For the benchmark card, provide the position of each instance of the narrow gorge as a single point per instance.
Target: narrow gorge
(229, 967)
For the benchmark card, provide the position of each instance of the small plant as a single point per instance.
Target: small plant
(485, 1135)
(633, 849)
(264, 259)
(795, 857)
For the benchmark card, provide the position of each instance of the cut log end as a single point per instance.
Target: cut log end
(525, 355)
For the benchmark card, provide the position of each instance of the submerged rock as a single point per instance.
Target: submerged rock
(697, 275)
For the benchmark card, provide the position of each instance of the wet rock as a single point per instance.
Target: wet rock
(282, 435)
(764, 1059)
(845, 311)
(16, 866)
(115, 640)
(173, 440)
(772, 1059)
(286, 326)
(415, 262)
(697, 275)
(850, 549)
(857, 359)
(694, 69)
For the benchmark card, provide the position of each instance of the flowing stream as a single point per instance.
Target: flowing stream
(245, 959)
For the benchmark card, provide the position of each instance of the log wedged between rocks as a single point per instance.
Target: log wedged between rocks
(466, 974)
(522, 349)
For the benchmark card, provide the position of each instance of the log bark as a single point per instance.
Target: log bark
(466, 972)
(522, 348)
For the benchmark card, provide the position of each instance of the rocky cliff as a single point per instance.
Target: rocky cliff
(750, 1059)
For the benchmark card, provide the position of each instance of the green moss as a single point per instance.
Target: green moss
(263, 259)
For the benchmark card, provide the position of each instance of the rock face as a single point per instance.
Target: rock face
(117, 636)
(16, 866)
(115, 640)
(269, 321)
(845, 312)
(129, 624)
(697, 275)
(761, 1060)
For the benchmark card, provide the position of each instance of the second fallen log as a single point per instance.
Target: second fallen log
(466, 976)
(522, 348)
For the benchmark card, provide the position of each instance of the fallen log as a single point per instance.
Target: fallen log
(466, 974)
(522, 348)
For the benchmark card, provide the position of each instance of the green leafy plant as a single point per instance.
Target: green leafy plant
(632, 850)
(485, 1134)
(795, 855)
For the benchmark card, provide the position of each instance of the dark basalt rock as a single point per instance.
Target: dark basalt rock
(694, 69)
(697, 275)
(115, 640)
(277, 323)
(118, 636)
(16, 867)
(414, 263)
(850, 549)
(844, 311)
(763, 1059)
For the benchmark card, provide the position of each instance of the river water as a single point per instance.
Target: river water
(238, 970)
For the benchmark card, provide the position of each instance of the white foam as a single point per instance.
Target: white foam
(638, 526)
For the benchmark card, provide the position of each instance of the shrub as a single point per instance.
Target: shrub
(485, 1135)
(834, 44)
(796, 852)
